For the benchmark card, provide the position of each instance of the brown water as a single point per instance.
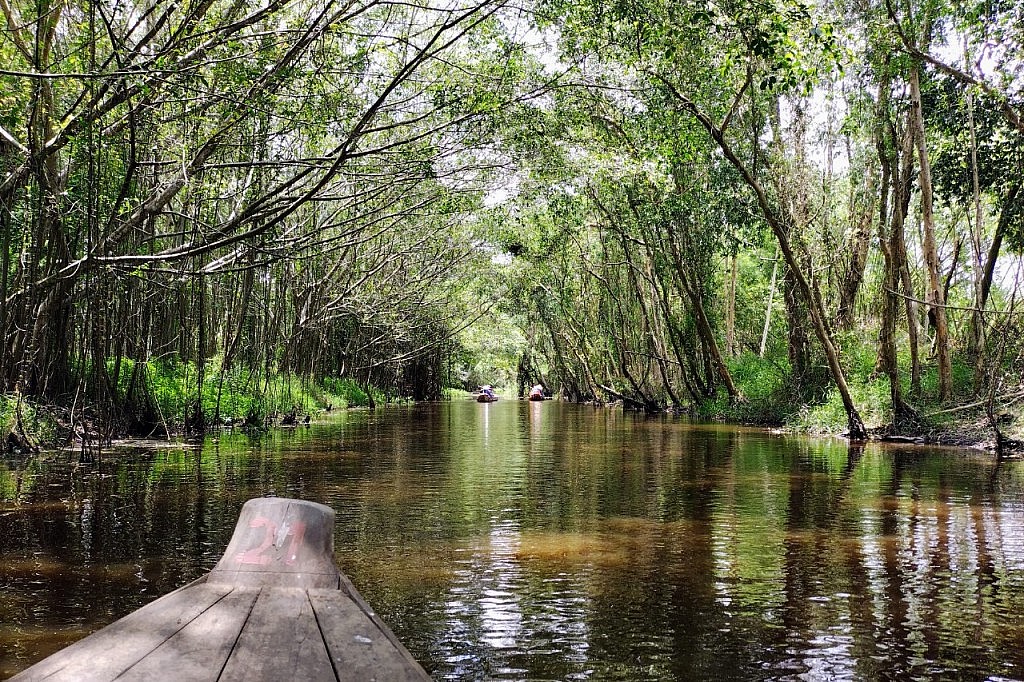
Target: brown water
(521, 540)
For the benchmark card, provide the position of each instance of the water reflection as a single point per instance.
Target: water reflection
(518, 540)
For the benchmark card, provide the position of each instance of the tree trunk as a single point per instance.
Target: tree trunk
(890, 245)
(706, 333)
(857, 246)
(799, 342)
(902, 184)
(935, 297)
(730, 307)
(779, 220)
(768, 306)
(1011, 204)
(976, 338)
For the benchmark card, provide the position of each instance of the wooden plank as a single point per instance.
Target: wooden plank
(361, 648)
(197, 652)
(280, 641)
(107, 653)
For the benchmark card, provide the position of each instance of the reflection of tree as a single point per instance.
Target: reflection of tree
(609, 542)
(888, 556)
(694, 574)
(85, 545)
(814, 508)
(701, 605)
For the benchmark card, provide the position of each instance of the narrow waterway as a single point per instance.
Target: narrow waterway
(546, 541)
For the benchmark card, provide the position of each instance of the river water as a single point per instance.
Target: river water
(547, 541)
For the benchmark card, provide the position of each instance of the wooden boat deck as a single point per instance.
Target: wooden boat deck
(274, 608)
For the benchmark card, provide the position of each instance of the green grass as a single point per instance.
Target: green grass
(871, 396)
(767, 393)
(772, 397)
(39, 425)
(351, 394)
(161, 396)
(240, 393)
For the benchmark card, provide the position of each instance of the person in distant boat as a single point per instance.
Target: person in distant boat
(488, 391)
(537, 392)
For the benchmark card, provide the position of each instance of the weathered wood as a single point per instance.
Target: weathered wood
(274, 608)
(361, 648)
(281, 641)
(107, 652)
(199, 650)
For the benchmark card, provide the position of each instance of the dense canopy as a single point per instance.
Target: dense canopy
(745, 209)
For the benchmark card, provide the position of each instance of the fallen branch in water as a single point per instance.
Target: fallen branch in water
(624, 398)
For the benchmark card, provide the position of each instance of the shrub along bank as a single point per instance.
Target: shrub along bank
(158, 399)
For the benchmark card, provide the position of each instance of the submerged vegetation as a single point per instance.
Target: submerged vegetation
(769, 212)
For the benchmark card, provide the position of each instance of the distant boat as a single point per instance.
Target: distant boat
(537, 392)
(537, 396)
(486, 398)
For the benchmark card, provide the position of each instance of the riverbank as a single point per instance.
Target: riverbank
(166, 403)
(47, 426)
(966, 424)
